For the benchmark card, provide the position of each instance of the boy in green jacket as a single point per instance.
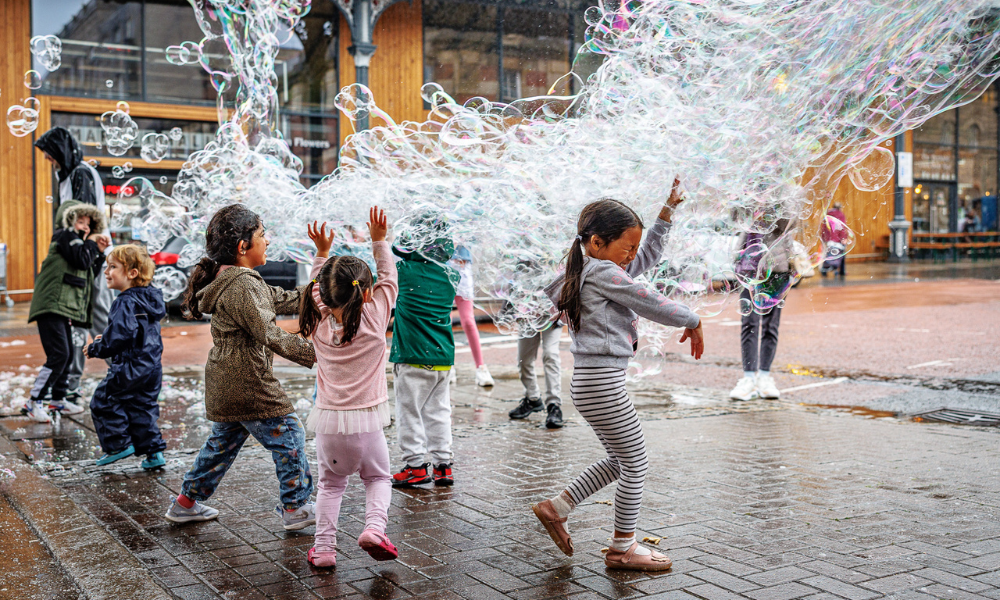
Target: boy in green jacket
(63, 298)
(423, 350)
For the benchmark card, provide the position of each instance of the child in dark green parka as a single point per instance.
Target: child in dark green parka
(63, 298)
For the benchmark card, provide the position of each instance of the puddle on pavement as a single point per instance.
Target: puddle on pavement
(860, 411)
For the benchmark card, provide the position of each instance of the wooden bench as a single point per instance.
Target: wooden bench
(936, 249)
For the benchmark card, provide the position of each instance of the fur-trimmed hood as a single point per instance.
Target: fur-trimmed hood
(70, 211)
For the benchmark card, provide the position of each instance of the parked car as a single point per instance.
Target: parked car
(283, 274)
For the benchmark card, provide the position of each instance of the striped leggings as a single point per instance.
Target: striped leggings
(599, 395)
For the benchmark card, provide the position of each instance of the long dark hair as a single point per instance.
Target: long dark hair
(230, 226)
(607, 219)
(342, 281)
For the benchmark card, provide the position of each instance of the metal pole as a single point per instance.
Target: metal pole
(899, 226)
(501, 93)
(362, 49)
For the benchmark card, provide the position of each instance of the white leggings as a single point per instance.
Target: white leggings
(599, 395)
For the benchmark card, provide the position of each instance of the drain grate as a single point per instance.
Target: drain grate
(960, 417)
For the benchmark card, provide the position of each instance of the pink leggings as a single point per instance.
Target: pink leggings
(339, 457)
(469, 327)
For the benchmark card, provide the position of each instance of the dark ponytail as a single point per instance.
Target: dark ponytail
(230, 226)
(342, 281)
(607, 219)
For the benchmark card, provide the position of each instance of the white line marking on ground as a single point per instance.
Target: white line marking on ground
(815, 385)
(932, 363)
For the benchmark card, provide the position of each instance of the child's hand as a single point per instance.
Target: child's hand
(672, 201)
(697, 338)
(323, 241)
(377, 224)
(102, 241)
(86, 349)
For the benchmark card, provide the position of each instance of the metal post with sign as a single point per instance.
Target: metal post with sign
(899, 226)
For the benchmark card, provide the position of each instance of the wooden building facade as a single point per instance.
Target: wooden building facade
(114, 50)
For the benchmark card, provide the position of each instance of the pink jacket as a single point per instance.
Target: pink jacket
(353, 376)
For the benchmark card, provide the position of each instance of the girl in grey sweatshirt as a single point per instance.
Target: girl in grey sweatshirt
(602, 302)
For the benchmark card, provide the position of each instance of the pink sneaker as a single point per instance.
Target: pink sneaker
(377, 545)
(322, 559)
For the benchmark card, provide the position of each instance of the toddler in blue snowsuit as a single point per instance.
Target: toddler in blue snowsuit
(124, 405)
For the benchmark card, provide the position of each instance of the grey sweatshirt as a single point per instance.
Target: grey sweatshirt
(612, 302)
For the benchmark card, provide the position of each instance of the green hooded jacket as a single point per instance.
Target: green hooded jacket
(421, 331)
(65, 283)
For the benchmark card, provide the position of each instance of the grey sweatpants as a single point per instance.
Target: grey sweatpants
(99, 322)
(423, 414)
(527, 354)
(759, 338)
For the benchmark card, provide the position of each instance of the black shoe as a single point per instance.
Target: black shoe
(554, 420)
(526, 407)
(442, 474)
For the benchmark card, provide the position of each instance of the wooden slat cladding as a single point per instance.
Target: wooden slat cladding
(868, 215)
(396, 72)
(16, 190)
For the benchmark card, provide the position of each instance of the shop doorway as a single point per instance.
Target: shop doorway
(932, 206)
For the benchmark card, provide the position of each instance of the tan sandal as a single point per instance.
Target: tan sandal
(554, 524)
(630, 561)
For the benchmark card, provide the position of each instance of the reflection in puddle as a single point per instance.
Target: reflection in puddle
(861, 411)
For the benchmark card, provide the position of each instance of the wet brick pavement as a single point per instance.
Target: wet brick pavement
(777, 502)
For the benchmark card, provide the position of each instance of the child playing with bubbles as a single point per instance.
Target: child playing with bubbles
(347, 313)
(423, 350)
(242, 395)
(124, 406)
(602, 303)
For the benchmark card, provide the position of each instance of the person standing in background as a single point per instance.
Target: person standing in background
(759, 332)
(462, 262)
(79, 181)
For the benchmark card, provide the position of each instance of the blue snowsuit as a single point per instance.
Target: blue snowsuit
(124, 405)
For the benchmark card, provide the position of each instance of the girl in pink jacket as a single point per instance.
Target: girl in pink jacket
(347, 315)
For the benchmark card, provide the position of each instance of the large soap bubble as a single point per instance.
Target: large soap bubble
(761, 108)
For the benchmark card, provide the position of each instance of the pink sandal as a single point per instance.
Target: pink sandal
(554, 525)
(630, 561)
(377, 545)
(322, 559)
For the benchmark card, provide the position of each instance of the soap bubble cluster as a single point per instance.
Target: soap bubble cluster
(761, 109)
(22, 119)
(120, 131)
(47, 49)
(154, 147)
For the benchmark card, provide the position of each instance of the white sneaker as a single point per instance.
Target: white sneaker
(453, 378)
(66, 407)
(766, 387)
(746, 389)
(198, 512)
(300, 518)
(36, 411)
(483, 377)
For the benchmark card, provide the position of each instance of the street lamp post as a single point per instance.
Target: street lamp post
(361, 16)
(899, 225)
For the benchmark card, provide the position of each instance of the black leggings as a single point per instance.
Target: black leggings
(57, 340)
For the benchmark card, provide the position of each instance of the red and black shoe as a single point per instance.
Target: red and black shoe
(442, 474)
(412, 476)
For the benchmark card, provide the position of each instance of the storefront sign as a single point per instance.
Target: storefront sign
(304, 143)
(904, 169)
(189, 142)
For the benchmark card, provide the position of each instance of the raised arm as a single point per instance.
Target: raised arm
(650, 250)
(257, 319)
(387, 289)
